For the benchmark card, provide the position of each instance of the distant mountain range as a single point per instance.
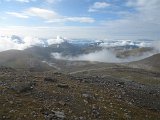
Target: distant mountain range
(29, 41)
(39, 53)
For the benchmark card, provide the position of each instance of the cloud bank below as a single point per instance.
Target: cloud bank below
(101, 56)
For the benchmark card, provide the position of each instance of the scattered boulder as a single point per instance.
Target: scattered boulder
(95, 111)
(88, 97)
(127, 116)
(63, 85)
(59, 115)
(55, 115)
(49, 79)
(62, 103)
(120, 84)
(23, 87)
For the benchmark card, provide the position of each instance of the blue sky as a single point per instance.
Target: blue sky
(105, 19)
(68, 12)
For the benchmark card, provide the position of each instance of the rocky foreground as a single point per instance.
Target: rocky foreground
(26, 95)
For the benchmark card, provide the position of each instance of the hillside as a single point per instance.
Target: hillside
(150, 63)
(21, 59)
(137, 52)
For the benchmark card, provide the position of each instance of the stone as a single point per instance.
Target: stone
(62, 85)
(59, 114)
(23, 87)
(54, 115)
(62, 103)
(49, 79)
(82, 118)
(127, 116)
(95, 111)
(11, 102)
(88, 96)
(120, 84)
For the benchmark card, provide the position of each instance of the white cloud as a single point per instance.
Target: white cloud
(144, 22)
(58, 40)
(42, 13)
(80, 19)
(101, 56)
(142, 3)
(53, 1)
(16, 14)
(7, 42)
(50, 16)
(147, 11)
(27, 1)
(22, 1)
(72, 19)
(98, 5)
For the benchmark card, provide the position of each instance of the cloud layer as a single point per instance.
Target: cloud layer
(50, 16)
(101, 56)
(106, 55)
(27, 1)
(144, 21)
(20, 43)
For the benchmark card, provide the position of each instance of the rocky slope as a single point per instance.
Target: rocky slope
(77, 96)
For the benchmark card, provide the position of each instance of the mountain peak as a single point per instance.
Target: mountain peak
(17, 39)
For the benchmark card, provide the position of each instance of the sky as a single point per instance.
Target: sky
(93, 19)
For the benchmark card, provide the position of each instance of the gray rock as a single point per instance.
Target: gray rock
(62, 85)
(59, 114)
(95, 112)
(55, 115)
(127, 116)
(88, 95)
(62, 103)
(49, 79)
(23, 87)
